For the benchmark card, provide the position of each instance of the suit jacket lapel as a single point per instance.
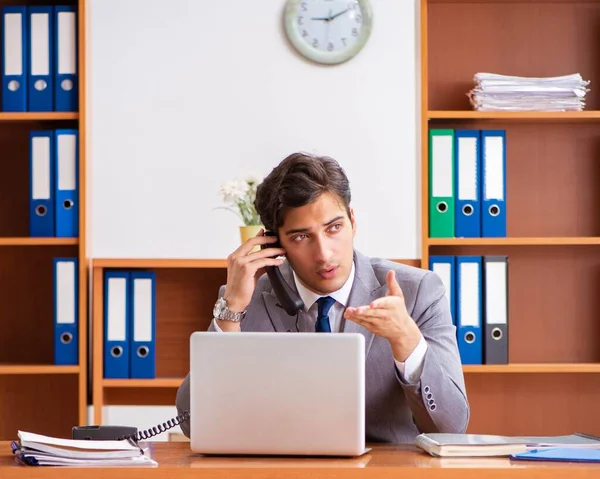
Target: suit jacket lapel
(365, 289)
(282, 322)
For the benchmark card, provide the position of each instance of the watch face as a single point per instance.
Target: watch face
(219, 305)
(328, 31)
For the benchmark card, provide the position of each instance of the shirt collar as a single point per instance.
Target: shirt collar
(310, 297)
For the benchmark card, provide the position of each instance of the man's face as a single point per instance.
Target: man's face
(319, 242)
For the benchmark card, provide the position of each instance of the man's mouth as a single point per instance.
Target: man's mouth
(327, 273)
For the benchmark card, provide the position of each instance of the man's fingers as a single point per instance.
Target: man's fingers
(393, 286)
(248, 245)
(262, 263)
(365, 313)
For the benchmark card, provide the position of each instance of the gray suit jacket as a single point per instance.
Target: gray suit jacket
(395, 410)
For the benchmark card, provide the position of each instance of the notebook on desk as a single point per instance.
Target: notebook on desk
(559, 454)
(485, 445)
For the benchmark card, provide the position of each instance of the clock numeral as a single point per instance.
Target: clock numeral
(300, 20)
(358, 18)
(315, 43)
(355, 32)
(304, 6)
(344, 40)
(330, 47)
(304, 33)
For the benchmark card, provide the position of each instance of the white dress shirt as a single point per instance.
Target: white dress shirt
(410, 370)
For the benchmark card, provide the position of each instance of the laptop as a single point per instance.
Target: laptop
(293, 394)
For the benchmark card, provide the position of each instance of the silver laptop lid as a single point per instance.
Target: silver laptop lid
(277, 393)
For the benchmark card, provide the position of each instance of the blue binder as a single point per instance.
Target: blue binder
(40, 94)
(41, 183)
(445, 268)
(467, 145)
(116, 324)
(14, 58)
(66, 65)
(493, 154)
(469, 309)
(143, 324)
(66, 191)
(66, 315)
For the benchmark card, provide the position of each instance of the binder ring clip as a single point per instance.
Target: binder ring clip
(40, 84)
(442, 206)
(40, 210)
(116, 351)
(468, 210)
(143, 351)
(66, 84)
(494, 210)
(66, 338)
(13, 85)
(496, 333)
(68, 204)
(469, 337)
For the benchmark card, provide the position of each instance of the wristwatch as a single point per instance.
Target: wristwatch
(221, 311)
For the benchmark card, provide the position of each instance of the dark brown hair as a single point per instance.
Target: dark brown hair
(297, 181)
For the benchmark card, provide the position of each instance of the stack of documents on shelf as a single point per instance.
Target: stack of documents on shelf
(37, 450)
(494, 92)
(484, 445)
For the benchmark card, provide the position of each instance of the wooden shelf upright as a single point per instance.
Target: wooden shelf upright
(553, 206)
(35, 394)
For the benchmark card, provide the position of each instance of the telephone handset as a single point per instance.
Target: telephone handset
(288, 298)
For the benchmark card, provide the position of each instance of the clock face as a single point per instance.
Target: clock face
(328, 31)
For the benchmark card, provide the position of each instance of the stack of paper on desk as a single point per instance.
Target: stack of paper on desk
(494, 92)
(483, 445)
(38, 450)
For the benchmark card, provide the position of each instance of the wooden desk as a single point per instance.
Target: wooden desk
(175, 460)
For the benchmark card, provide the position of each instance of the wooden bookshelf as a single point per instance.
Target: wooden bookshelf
(36, 116)
(553, 204)
(36, 394)
(510, 115)
(37, 369)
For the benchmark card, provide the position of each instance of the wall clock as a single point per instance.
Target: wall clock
(328, 31)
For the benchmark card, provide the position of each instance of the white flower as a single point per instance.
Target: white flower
(253, 179)
(232, 191)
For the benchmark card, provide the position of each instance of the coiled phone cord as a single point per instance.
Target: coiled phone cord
(156, 430)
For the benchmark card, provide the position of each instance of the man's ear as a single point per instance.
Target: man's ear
(353, 221)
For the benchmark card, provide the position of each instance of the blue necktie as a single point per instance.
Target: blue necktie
(325, 303)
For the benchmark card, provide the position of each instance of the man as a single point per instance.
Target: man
(413, 374)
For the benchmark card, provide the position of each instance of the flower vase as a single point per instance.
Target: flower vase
(247, 232)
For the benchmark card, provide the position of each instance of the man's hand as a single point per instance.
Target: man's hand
(388, 317)
(244, 267)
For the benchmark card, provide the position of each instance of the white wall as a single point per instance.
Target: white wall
(187, 94)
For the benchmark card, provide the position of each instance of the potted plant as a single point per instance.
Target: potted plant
(240, 195)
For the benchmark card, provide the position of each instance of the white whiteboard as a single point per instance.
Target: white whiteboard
(184, 95)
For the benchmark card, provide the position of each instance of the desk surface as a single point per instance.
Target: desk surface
(175, 460)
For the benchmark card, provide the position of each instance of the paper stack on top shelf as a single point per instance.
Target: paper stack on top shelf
(38, 450)
(494, 92)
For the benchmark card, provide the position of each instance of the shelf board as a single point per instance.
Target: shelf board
(38, 115)
(515, 241)
(38, 241)
(159, 263)
(534, 368)
(510, 115)
(142, 383)
(37, 369)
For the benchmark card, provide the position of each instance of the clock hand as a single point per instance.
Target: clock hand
(338, 14)
(321, 18)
